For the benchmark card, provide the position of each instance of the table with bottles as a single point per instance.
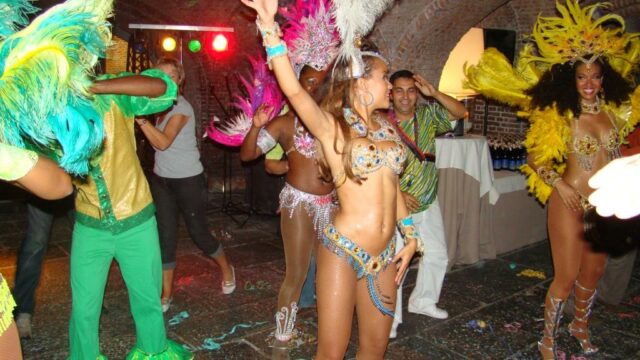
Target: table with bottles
(485, 213)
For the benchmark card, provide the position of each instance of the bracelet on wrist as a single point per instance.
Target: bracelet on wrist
(548, 176)
(409, 232)
(276, 51)
(265, 32)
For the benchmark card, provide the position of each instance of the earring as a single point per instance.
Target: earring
(368, 101)
(601, 94)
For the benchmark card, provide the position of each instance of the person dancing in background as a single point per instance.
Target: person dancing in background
(365, 156)
(307, 201)
(580, 110)
(178, 185)
(420, 124)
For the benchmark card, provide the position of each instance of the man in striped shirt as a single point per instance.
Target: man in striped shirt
(419, 125)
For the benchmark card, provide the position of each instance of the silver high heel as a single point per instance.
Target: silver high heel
(552, 315)
(582, 333)
(285, 322)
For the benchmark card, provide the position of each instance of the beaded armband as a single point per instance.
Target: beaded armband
(409, 231)
(265, 141)
(273, 51)
(276, 51)
(548, 175)
(266, 32)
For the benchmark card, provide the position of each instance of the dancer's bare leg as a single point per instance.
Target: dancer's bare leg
(336, 297)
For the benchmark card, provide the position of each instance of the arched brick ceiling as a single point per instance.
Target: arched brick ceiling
(430, 29)
(414, 34)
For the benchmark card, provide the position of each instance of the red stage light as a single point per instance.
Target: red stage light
(220, 43)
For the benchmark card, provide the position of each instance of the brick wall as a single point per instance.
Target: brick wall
(116, 60)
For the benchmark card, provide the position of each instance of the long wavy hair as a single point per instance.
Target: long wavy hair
(557, 86)
(341, 95)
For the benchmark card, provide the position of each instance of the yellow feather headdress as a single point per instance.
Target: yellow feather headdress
(577, 36)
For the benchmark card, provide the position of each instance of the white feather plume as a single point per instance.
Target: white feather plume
(355, 19)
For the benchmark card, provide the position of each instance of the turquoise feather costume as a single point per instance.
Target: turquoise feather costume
(45, 75)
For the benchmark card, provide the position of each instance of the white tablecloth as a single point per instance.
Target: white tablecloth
(465, 190)
(469, 153)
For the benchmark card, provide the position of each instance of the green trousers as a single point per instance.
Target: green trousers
(137, 252)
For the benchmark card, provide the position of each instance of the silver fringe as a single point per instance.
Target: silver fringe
(319, 207)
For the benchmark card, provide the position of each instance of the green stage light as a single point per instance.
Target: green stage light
(194, 45)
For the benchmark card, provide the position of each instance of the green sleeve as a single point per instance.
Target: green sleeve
(15, 162)
(140, 105)
(276, 153)
(441, 119)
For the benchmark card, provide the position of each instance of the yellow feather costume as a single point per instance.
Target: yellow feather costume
(568, 38)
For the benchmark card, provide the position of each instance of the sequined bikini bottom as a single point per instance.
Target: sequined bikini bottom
(362, 262)
(320, 208)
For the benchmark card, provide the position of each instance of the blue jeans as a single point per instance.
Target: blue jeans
(308, 293)
(40, 215)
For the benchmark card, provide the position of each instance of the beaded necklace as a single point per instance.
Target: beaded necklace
(590, 108)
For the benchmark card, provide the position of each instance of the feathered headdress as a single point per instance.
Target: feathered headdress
(310, 34)
(261, 88)
(577, 36)
(13, 15)
(354, 20)
(45, 78)
(574, 36)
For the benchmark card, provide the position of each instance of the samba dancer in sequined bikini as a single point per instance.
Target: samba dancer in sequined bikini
(365, 156)
(574, 87)
(307, 201)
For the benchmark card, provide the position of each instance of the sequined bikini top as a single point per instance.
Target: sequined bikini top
(587, 146)
(366, 156)
(303, 142)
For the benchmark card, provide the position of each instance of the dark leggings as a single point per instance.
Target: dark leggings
(187, 196)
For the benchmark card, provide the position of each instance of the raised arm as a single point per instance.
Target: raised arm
(310, 113)
(255, 144)
(135, 85)
(162, 139)
(455, 108)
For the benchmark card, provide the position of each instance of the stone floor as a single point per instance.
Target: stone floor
(216, 326)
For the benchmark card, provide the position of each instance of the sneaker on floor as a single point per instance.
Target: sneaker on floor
(394, 332)
(23, 322)
(432, 311)
(166, 304)
(229, 286)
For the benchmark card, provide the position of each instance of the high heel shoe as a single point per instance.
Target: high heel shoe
(285, 322)
(553, 308)
(582, 333)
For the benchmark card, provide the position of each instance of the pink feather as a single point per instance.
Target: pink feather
(261, 88)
